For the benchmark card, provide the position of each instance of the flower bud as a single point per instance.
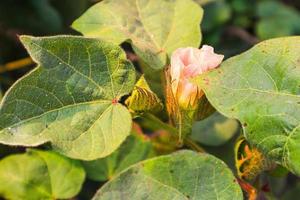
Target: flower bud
(187, 63)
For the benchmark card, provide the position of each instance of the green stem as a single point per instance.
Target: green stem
(158, 123)
(193, 145)
(161, 125)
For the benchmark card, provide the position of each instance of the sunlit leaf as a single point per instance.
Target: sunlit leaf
(133, 150)
(40, 175)
(71, 98)
(154, 27)
(261, 89)
(183, 175)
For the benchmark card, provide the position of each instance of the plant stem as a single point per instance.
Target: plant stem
(248, 188)
(17, 64)
(193, 145)
(159, 124)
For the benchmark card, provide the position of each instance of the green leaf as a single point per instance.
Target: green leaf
(40, 175)
(182, 175)
(154, 27)
(133, 150)
(214, 130)
(70, 99)
(261, 89)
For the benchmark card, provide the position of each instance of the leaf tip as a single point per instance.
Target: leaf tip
(74, 25)
(24, 38)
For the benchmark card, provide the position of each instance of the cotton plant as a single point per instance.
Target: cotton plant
(87, 110)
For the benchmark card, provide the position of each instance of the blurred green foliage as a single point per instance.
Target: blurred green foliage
(276, 19)
(233, 26)
(292, 193)
(34, 17)
(214, 130)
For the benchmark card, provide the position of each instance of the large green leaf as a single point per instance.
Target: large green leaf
(40, 175)
(183, 175)
(261, 88)
(70, 99)
(155, 27)
(133, 150)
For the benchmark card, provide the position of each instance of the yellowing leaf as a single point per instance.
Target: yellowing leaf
(142, 98)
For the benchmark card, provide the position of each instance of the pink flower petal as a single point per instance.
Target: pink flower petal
(209, 60)
(187, 63)
(176, 68)
(187, 92)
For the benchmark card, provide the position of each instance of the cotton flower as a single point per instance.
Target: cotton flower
(187, 63)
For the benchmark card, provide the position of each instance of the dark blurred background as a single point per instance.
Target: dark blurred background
(231, 26)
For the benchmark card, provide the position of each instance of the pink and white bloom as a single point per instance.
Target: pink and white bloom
(187, 63)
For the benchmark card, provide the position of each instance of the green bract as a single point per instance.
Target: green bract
(261, 88)
(183, 175)
(154, 27)
(40, 175)
(71, 98)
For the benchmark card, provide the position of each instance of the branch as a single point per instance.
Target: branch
(158, 123)
(242, 34)
(17, 64)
